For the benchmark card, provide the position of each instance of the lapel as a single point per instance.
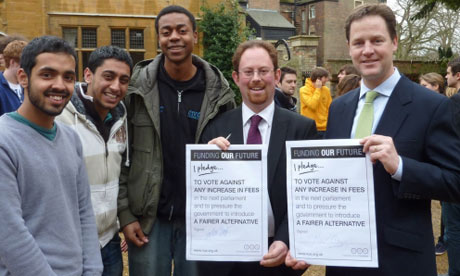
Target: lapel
(346, 114)
(276, 144)
(396, 110)
(236, 127)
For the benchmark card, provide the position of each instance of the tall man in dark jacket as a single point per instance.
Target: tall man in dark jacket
(170, 100)
(410, 139)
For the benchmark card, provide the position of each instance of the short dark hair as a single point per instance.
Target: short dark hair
(7, 39)
(381, 10)
(44, 44)
(108, 52)
(349, 69)
(175, 9)
(287, 70)
(267, 46)
(318, 73)
(454, 65)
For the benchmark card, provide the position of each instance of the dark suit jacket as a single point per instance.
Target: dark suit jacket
(420, 123)
(287, 125)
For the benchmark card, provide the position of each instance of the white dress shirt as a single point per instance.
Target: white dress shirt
(265, 127)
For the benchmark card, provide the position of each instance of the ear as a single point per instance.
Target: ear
(88, 75)
(395, 44)
(22, 78)
(277, 75)
(235, 77)
(195, 37)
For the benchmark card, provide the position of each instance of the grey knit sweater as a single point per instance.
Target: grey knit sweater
(46, 219)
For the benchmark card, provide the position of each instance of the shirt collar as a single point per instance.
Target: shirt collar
(266, 113)
(385, 88)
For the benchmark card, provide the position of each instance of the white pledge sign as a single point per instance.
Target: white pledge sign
(226, 213)
(331, 205)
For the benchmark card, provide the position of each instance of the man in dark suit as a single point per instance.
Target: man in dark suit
(410, 139)
(256, 74)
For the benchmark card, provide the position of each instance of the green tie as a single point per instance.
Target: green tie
(366, 118)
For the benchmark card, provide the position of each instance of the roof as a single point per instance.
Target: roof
(269, 18)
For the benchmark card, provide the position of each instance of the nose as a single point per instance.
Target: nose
(368, 48)
(59, 84)
(115, 85)
(174, 35)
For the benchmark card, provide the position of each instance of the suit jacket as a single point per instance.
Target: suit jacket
(286, 126)
(420, 123)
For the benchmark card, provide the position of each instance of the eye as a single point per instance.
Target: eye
(264, 71)
(124, 80)
(108, 77)
(164, 33)
(248, 73)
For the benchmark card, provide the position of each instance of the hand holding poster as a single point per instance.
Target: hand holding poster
(331, 203)
(226, 213)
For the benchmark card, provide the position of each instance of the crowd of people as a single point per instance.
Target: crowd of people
(82, 161)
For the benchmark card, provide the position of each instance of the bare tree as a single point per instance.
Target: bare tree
(421, 38)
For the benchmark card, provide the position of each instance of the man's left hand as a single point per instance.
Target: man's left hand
(382, 148)
(276, 254)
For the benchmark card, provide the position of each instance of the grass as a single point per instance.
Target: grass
(441, 261)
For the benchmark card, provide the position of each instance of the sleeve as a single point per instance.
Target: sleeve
(19, 252)
(124, 214)
(92, 262)
(310, 99)
(437, 173)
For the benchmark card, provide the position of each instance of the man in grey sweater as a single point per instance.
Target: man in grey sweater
(48, 225)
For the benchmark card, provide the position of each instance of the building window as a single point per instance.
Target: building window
(71, 36)
(134, 45)
(84, 40)
(118, 38)
(136, 39)
(89, 38)
(312, 12)
(304, 23)
(358, 3)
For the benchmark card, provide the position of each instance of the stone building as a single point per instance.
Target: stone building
(325, 19)
(87, 25)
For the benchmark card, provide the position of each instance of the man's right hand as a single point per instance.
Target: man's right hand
(221, 142)
(133, 233)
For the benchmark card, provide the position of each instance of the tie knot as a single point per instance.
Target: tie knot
(255, 120)
(370, 96)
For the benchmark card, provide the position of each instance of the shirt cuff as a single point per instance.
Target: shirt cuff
(398, 174)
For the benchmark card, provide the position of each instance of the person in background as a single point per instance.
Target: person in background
(347, 69)
(98, 116)
(433, 81)
(3, 42)
(348, 83)
(285, 90)
(315, 98)
(11, 92)
(451, 210)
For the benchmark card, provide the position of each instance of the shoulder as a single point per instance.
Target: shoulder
(144, 75)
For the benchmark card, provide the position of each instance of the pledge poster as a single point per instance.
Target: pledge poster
(226, 209)
(331, 203)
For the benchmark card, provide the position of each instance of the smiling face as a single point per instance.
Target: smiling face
(257, 91)
(108, 85)
(49, 87)
(176, 37)
(371, 49)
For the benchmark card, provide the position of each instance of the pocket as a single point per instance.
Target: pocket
(403, 238)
